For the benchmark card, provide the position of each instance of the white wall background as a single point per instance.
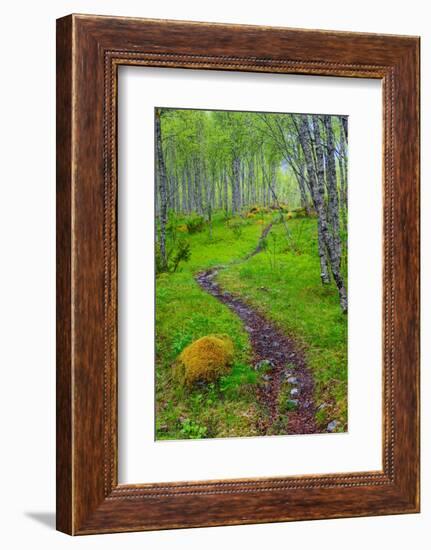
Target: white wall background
(27, 248)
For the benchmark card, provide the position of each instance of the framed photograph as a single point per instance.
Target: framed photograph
(237, 274)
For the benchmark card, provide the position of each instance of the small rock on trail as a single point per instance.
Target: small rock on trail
(332, 426)
(275, 351)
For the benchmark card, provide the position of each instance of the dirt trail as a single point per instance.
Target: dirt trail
(285, 359)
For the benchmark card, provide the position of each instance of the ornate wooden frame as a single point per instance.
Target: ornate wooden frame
(89, 51)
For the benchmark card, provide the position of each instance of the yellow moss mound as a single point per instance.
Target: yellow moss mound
(205, 360)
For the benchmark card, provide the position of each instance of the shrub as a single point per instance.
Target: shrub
(191, 430)
(278, 217)
(236, 227)
(178, 252)
(195, 224)
(205, 360)
(299, 212)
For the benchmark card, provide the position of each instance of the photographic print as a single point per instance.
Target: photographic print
(251, 273)
(209, 270)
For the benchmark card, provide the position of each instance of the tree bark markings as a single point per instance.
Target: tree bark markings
(319, 205)
(202, 182)
(162, 189)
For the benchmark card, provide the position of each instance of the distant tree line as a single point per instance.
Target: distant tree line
(230, 161)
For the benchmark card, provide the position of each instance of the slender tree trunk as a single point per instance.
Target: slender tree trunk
(225, 191)
(318, 200)
(264, 180)
(220, 192)
(162, 190)
(241, 185)
(248, 183)
(342, 182)
(303, 190)
(198, 187)
(173, 181)
(184, 190)
(252, 180)
(236, 185)
(156, 194)
(274, 181)
(301, 179)
(189, 189)
(344, 123)
(178, 187)
(343, 196)
(209, 200)
(320, 191)
(172, 193)
(331, 183)
(344, 169)
(324, 271)
(344, 161)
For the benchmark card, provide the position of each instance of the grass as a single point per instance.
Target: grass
(283, 281)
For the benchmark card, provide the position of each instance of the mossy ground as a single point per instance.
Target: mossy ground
(205, 360)
(283, 282)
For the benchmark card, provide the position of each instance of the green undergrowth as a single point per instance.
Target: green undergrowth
(283, 282)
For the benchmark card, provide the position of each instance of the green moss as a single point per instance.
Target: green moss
(205, 360)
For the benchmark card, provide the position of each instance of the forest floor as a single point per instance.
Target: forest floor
(287, 384)
(288, 331)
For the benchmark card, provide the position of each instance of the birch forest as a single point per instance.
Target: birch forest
(251, 273)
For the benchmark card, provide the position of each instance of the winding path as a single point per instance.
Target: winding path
(285, 359)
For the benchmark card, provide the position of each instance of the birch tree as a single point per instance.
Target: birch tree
(163, 197)
(327, 236)
(209, 161)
